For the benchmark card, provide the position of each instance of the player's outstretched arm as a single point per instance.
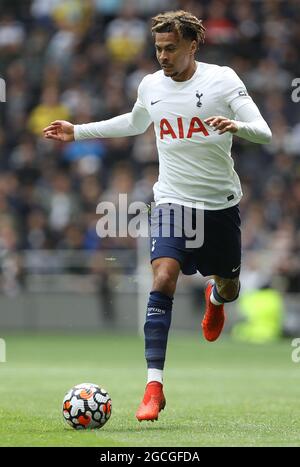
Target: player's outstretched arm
(60, 130)
(130, 124)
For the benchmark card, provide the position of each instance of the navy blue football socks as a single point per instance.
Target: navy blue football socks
(156, 329)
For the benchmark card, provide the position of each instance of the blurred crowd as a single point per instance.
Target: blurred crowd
(82, 61)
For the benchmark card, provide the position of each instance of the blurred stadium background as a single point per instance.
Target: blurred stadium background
(82, 61)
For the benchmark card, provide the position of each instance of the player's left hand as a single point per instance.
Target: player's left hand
(222, 124)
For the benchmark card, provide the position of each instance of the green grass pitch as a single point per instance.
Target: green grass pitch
(218, 394)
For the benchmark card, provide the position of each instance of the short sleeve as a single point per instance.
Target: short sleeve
(233, 90)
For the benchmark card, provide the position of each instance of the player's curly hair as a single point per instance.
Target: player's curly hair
(182, 22)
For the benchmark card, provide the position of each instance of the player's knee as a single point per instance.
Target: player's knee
(165, 282)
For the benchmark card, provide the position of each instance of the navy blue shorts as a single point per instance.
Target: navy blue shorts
(220, 253)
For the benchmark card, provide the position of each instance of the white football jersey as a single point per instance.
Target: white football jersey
(195, 163)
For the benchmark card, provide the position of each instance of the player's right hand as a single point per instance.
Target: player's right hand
(60, 130)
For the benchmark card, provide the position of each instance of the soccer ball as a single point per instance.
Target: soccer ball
(86, 406)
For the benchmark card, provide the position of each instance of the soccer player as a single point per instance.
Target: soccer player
(196, 109)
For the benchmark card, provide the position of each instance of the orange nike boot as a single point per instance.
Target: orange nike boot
(214, 318)
(153, 402)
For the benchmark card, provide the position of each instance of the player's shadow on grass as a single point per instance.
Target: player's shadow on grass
(146, 426)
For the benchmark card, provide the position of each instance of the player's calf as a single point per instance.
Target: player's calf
(225, 290)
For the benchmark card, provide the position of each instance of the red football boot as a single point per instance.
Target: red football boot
(153, 402)
(214, 318)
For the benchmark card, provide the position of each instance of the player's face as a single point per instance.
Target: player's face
(175, 55)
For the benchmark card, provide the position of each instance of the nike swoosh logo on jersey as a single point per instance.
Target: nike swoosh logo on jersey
(235, 269)
(155, 102)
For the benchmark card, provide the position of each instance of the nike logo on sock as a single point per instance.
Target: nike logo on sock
(155, 102)
(155, 311)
